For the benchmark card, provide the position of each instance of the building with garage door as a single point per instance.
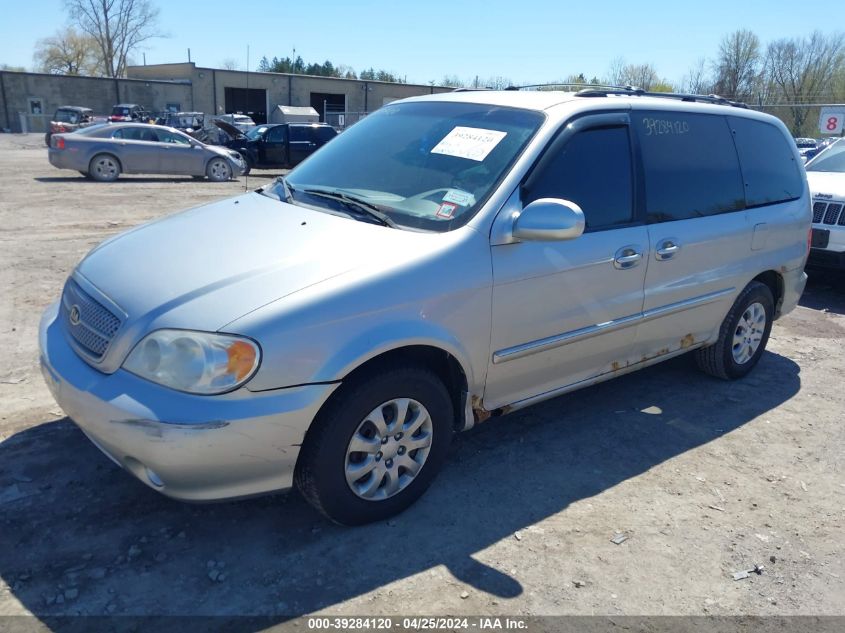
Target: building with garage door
(28, 99)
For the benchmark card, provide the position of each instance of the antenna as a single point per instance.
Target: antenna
(246, 177)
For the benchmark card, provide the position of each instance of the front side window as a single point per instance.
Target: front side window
(427, 165)
(277, 134)
(593, 170)
(768, 162)
(690, 165)
(166, 136)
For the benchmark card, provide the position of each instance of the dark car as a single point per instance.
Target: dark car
(129, 112)
(280, 145)
(68, 119)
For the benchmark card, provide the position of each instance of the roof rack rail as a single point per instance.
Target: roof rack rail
(563, 85)
(639, 92)
(600, 90)
(465, 89)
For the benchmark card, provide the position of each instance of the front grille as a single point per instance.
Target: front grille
(96, 325)
(828, 213)
(818, 211)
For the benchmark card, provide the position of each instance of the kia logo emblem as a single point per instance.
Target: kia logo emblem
(74, 315)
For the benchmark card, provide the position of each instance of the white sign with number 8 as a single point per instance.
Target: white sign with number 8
(830, 120)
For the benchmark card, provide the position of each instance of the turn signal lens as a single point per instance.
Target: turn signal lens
(242, 357)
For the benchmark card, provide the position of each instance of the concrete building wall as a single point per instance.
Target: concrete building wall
(97, 93)
(186, 86)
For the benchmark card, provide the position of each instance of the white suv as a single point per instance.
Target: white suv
(826, 175)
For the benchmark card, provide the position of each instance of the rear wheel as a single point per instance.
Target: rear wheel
(47, 138)
(218, 170)
(104, 168)
(743, 335)
(376, 446)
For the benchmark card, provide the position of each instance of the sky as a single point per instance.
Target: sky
(527, 41)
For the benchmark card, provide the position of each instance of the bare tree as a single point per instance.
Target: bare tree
(698, 81)
(641, 76)
(616, 72)
(118, 27)
(802, 71)
(738, 64)
(68, 53)
(230, 64)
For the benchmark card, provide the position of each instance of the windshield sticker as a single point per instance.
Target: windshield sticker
(469, 142)
(446, 210)
(461, 198)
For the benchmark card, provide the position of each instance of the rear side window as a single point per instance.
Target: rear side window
(323, 134)
(298, 133)
(690, 165)
(768, 165)
(593, 170)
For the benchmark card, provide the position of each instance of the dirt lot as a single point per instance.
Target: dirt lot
(704, 477)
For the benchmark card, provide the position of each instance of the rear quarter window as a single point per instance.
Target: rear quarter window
(769, 168)
(690, 165)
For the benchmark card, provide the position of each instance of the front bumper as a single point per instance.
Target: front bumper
(194, 448)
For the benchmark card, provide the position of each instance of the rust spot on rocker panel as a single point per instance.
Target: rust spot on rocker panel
(687, 341)
(482, 415)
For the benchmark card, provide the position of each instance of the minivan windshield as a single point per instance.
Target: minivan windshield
(831, 159)
(426, 165)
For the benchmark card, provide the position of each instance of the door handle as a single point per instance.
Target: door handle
(666, 249)
(627, 257)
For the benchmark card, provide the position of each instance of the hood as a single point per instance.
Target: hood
(827, 183)
(203, 268)
(230, 129)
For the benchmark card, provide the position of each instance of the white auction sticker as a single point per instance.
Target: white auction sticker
(463, 198)
(469, 142)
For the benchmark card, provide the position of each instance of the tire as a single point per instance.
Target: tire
(734, 354)
(326, 462)
(104, 168)
(218, 170)
(47, 138)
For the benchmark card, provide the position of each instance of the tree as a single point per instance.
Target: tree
(800, 71)
(737, 67)
(231, 64)
(698, 81)
(67, 53)
(118, 26)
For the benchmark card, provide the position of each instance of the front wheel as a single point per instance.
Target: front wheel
(376, 446)
(218, 170)
(743, 335)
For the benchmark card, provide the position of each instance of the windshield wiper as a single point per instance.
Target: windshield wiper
(362, 207)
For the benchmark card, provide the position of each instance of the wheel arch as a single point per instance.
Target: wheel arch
(774, 281)
(106, 152)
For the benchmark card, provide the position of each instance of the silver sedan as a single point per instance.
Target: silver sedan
(103, 152)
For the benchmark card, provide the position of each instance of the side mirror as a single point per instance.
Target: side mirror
(549, 219)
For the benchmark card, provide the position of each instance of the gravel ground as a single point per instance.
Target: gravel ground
(703, 477)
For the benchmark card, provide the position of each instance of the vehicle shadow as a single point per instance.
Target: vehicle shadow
(825, 291)
(81, 536)
(124, 179)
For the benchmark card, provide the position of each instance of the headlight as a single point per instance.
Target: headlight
(196, 362)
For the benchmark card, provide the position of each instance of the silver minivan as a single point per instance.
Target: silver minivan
(448, 259)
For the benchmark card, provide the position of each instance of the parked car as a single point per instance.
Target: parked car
(103, 152)
(807, 147)
(279, 145)
(69, 119)
(826, 175)
(241, 121)
(448, 259)
(123, 112)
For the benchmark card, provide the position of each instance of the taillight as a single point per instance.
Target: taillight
(58, 142)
